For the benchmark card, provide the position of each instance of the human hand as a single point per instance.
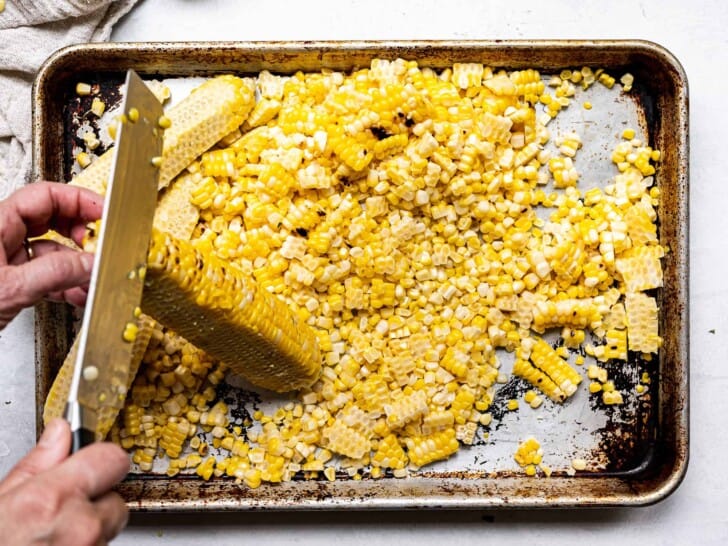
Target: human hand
(56, 271)
(52, 499)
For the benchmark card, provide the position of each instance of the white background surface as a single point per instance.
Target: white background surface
(695, 32)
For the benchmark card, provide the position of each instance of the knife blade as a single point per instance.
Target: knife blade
(101, 372)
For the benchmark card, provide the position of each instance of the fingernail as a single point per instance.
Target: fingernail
(52, 433)
(87, 261)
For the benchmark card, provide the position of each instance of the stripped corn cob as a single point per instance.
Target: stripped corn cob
(215, 109)
(215, 306)
(55, 403)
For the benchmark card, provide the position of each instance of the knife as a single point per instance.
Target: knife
(101, 372)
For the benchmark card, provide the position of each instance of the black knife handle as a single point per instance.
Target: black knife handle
(81, 437)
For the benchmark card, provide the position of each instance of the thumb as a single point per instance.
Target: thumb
(52, 272)
(53, 447)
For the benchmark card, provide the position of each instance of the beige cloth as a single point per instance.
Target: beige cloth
(30, 30)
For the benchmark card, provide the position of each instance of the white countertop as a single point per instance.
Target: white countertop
(695, 32)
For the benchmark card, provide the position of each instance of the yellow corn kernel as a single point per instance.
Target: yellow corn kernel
(83, 89)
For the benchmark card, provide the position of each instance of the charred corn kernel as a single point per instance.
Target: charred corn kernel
(98, 107)
(537, 378)
(83, 89)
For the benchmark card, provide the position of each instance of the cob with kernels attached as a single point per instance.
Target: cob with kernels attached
(218, 308)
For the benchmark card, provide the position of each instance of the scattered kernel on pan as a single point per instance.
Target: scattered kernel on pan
(587, 105)
(133, 115)
(83, 89)
(627, 80)
(640, 389)
(578, 464)
(98, 107)
(2, 6)
(645, 378)
(512, 405)
(112, 129)
(83, 159)
(595, 387)
(536, 402)
(628, 134)
(91, 141)
(529, 396)
(612, 398)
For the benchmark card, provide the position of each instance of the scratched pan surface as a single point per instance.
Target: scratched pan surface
(637, 453)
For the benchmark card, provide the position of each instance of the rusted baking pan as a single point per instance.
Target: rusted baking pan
(638, 452)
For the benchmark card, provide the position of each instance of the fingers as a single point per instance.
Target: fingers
(52, 448)
(38, 207)
(24, 285)
(93, 470)
(113, 514)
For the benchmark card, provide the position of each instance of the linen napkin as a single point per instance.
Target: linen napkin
(30, 30)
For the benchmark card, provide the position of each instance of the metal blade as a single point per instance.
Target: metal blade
(101, 374)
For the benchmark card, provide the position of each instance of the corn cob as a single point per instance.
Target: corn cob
(216, 307)
(209, 113)
(58, 395)
(642, 323)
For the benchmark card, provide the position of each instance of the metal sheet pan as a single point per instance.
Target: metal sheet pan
(638, 454)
